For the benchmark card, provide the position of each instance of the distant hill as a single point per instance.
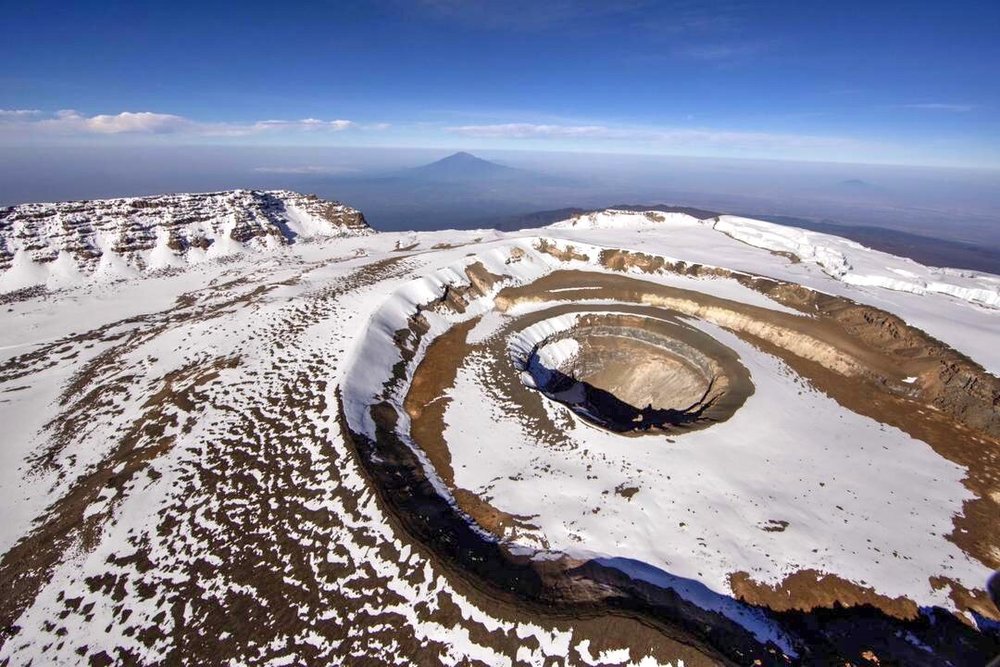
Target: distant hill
(458, 191)
(465, 167)
(856, 184)
(924, 249)
(542, 218)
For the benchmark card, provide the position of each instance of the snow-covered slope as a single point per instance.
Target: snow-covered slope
(615, 219)
(855, 264)
(842, 259)
(214, 463)
(62, 244)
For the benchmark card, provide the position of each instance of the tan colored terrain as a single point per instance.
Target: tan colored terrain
(856, 354)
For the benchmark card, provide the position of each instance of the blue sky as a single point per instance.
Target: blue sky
(881, 82)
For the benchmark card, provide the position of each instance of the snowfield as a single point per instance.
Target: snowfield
(194, 395)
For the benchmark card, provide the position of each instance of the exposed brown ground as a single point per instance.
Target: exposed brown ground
(808, 589)
(856, 354)
(257, 482)
(426, 404)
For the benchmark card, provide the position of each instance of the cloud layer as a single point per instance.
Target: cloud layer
(69, 122)
(665, 137)
(18, 125)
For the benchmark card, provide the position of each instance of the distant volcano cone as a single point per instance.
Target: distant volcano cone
(464, 166)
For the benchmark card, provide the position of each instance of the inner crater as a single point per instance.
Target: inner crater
(633, 374)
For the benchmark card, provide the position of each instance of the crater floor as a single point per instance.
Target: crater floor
(633, 374)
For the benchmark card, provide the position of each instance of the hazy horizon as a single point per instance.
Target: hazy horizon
(765, 108)
(955, 204)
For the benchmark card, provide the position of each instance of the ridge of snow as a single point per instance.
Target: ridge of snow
(66, 243)
(840, 258)
(859, 265)
(618, 219)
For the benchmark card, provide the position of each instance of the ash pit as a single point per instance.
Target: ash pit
(635, 375)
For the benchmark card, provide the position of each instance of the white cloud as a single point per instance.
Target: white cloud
(533, 131)
(127, 122)
(18, 113)
(681, 137)
(941, 106)
(308, 124)
(68, 122)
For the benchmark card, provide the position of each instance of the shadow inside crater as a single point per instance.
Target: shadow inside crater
(603, 408)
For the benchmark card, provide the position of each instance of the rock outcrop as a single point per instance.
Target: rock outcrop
(65, 243)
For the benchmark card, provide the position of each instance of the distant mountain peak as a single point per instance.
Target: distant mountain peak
(462, 157)
(856, 183)
(463, 166)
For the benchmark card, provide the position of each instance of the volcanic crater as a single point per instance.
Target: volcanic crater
(513, 340)
(637, 375)
(420, 445)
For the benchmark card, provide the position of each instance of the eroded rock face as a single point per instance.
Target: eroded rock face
(63, 243)
(633, 374)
